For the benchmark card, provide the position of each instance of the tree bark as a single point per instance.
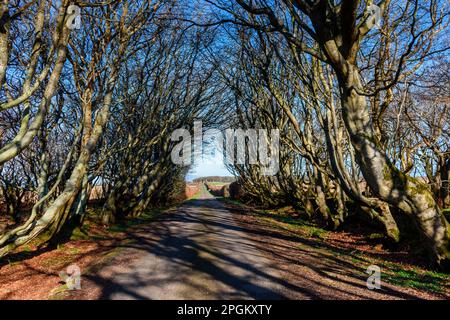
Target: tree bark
(384, 179)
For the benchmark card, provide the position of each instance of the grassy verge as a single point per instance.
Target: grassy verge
(218, 184)
(199, 193)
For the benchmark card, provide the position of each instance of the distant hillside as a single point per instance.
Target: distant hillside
(215, 178)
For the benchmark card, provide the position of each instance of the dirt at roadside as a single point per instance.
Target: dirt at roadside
(334, 266)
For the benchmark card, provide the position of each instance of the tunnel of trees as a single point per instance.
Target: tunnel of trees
(360, 98)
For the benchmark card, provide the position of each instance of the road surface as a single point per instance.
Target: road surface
(198, 252)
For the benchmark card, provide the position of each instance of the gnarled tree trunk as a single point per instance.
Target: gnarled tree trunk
(384, 179)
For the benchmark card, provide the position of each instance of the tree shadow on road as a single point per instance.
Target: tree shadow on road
(201, 241)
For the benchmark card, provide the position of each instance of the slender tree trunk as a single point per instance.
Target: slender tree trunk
(110, 209)
(444, 191)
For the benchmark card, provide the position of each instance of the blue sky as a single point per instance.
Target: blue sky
(208, 165)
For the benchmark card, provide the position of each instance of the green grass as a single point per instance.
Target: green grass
(418, 279)
(57, 262)
(197, 195)
(79, 234)
(282, 220)
(145, 217)
(232, 201)
(376, 236)
(85, 231)
(216, 183)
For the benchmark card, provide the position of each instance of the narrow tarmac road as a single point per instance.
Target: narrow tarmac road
(198, 253)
